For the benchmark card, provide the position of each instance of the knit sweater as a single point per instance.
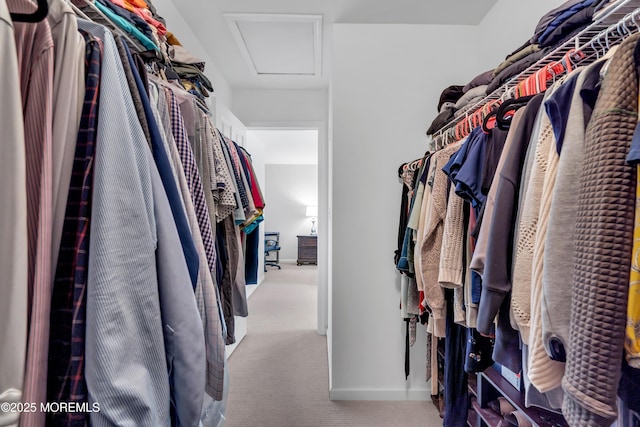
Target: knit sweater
(603, 244)
(417, 260)
(451, 268)
(531, 190)
(559, 257)
(431, 244)
(554, 255)
(544, 373)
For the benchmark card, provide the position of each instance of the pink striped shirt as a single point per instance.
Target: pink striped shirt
(34, 47)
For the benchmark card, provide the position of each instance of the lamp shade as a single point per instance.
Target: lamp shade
(312, 211)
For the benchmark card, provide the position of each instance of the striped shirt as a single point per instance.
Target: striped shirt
(13, 224)
(213, 331)
(34, 46)
(125, 362)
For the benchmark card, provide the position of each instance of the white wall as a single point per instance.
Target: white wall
(386, 83)
(384, 98)
(259, 106)
(501, 32)
(290, 189)
(302, 109)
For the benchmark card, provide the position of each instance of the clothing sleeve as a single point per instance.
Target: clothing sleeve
(499, 253)
(182, 326)
(426, 199)
(479, 254)
(497, 274)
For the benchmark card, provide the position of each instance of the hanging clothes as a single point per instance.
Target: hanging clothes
(66, 380)
(34, 46)
(14, 264)
(605, 174)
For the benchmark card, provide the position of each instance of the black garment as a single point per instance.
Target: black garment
(590, 91)
(441, 120)
(224, 280)
(252, 257)
(558, 106)
(570, 27)
(450, 94)
(479, 80)
(142, 70)
(456, 392)
(479, 352)
(495, 145)
(499, 258)
(405, 262)
(550, 16)
(515, 69)
(404, 219)
(629, 390)
(506, 350)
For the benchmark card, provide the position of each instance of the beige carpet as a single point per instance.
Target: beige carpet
(279, 373)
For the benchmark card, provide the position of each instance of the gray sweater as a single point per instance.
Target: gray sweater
(559, 257)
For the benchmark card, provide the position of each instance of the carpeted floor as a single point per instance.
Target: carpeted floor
(279, 372)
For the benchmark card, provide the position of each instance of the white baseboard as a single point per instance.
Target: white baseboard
(371, 394)
(251, 289)
(229, 349)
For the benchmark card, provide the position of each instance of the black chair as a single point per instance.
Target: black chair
(271, 244)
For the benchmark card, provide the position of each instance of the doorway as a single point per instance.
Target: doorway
(288, 162)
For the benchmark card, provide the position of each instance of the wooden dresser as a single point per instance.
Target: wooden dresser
(307, 250)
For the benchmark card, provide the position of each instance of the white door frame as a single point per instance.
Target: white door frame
(323, 209)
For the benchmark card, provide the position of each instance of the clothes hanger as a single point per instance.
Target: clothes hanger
(633, 19)
(37, 16)
(592, 45)
(503, 121)
(487, 119)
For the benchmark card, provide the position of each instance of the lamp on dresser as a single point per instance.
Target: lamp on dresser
(312, 212)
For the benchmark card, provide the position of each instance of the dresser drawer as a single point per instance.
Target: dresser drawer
(307, 250)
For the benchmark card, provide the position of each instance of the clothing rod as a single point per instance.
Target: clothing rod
(607, 22)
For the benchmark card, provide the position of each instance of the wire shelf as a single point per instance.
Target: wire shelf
(609, 28)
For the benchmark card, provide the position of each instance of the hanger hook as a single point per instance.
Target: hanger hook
(633, 18)
(624, 28)
(599, 40)
(592, 44)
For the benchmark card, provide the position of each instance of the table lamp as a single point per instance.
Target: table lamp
(312, 212)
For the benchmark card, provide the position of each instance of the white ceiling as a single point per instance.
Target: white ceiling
(208, 23)
(278, 44)
(287, 147)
